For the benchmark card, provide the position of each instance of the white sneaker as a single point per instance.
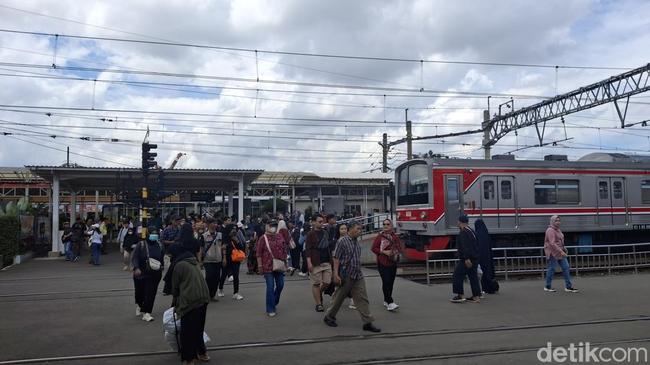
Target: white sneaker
(220, 293)
(147, 317)
(237, 296)
(230, 279)
(392, 306)
(351, 305)
(385, 304)
(125, 268)
(272, 314)
(303, 274)
(137, 310)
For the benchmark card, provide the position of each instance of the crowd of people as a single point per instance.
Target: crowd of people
(272, 246)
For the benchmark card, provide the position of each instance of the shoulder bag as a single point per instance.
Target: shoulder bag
(237, 255)
(153, 264)
(278, 265)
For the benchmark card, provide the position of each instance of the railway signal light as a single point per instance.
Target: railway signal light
(148, 157)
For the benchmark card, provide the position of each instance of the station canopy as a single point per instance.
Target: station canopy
(117, 178)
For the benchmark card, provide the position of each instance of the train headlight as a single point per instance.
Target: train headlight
(423, 215)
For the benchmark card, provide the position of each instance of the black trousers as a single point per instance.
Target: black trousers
(295, 257)
(388, 274)
(146, 288)
(212, 276)
(192, 327)
(232, 268)
(303, 268)
(459, 276)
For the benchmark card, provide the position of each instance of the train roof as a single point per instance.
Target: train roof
(591, 161)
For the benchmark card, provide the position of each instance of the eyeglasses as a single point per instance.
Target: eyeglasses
(386, 224)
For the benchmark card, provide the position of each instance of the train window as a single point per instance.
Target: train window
(413, 184)
(488, 190)
(617, 189)
(549, 191)
(506, 190)
(545, 192)
(603, 190)
(645, 191)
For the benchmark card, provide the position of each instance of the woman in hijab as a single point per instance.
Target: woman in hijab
(190, 302)
(190, 244)
(556, 253)
(146, 276)
(488, 283)
(388, 248)
(129, 241)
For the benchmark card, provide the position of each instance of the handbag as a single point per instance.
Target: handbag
(237, 255)
(153, 264)
(278, 265)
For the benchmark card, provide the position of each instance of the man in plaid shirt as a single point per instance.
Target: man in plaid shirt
(349, 278)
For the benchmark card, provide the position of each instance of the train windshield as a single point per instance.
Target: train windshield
(413, 184)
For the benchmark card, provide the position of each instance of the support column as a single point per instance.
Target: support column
(293, 198)
(54, 208)
(73, 207)
(275, 207)
(96, 205)
(320, 199)
(231, 203)
(365, 199)
(240, 199)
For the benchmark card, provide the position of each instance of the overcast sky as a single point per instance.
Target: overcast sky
(234, 121)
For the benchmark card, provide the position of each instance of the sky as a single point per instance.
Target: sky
(262, 96)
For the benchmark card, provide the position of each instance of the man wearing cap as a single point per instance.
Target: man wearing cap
(172, 232)
(467, 263)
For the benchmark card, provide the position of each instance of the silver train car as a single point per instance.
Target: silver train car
(601, 198)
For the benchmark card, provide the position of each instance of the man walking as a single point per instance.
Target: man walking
(319, 257)
(467, 263)
(348, 275)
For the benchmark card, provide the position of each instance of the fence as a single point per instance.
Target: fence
(532, 260)
(370, 224)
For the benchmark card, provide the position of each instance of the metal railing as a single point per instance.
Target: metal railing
(370, 224)
(510, 261)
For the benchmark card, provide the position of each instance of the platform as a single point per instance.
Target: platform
(75, 313)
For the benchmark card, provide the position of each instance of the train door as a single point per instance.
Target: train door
(506, 201)
(453, 199)
(612, 207)
(498, 201)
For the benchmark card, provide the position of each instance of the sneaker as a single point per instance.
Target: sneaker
(76, 259)
(220, 293)
(392, 306)
(204, 358)
(386, 305)
(549, 289)
(230, 279)
(457, 299)
(237, 296)
(147, 317)
(352, 306)
(137, 310)
(125, 268)
(571, 290)
(473, 300)
(302, 274)
(292, 271)
(272, 314)
(319, 308)
(370, 327)
(330, 322)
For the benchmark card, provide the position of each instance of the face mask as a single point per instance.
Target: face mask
(273, 229)
(153, 237)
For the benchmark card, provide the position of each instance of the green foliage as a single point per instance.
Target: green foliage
(9, 238)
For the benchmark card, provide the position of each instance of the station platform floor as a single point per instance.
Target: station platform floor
(53, 311)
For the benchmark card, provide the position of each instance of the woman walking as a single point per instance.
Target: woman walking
(271, 247)
(230, 244)
(190, 302)
(556, 254)
(146, 273)
(388, 248)
(129, 241)
(485, 260)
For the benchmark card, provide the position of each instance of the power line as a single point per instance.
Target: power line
(305, 54)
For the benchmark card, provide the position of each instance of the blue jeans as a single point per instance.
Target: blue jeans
(96, 249)
(564, 264)
(273, 291)
(69, 255)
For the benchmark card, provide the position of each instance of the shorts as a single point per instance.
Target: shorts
(321, 274)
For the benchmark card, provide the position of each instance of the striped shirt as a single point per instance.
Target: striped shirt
(348, 252)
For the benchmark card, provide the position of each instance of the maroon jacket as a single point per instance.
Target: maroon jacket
(383, 242)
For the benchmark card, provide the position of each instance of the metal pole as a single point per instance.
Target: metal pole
(609, 260)
(409, 136)
(384, 152)
(636, 269)
(486, 134)
(505, 257)
(426, 253)
(54, 209)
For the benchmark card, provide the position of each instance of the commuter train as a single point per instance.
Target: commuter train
(601, 198)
